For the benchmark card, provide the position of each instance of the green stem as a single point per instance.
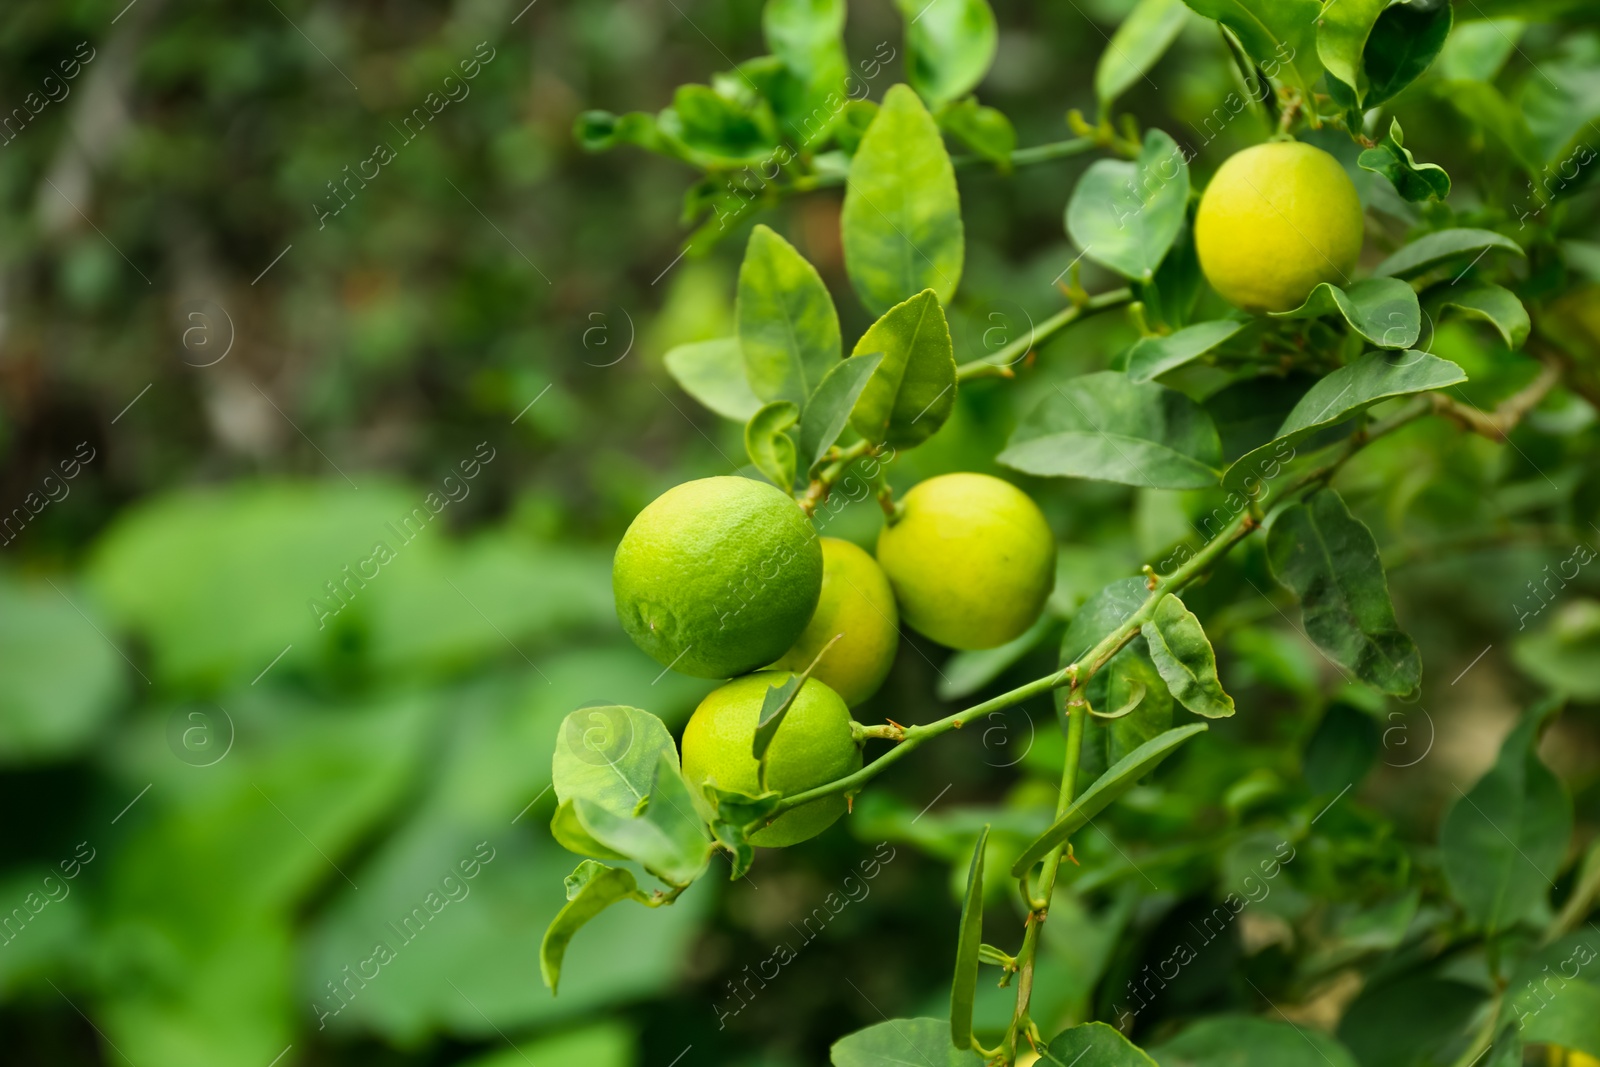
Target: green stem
(1022, 157)
(999, 364)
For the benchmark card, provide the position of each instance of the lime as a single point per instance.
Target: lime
(812, 747)
(718, 576)
(858, 603)
(1276, 220)
(971, 560)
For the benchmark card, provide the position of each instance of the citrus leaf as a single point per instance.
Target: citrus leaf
(1432, 249)
(1384, 311)
(828, 410)
(1404, 41)
(1118, 779)
(1564, 1012)
(985, 130)
(1496, 305)
(1245, 1041)
(1412, 180)
(912, 391)
(1329, 559)
(713, 373)
(769, 448)
(1105, 427)
(788, 328)
(1342, 34)
(709, 130)
(949, 46)
(775, 704)
(1346, 392)
(803, 34)
(735, 816)
(1183, 656)
(570, 834)
(964, 986)
(1137, 44)
(607, 755)
(668, 838)
(1125, 215)
(1097, 1044)
(897, 1042)
(591, 888)
(901, 220)
(1151, 357)
(1503, 842)
(1280, 35)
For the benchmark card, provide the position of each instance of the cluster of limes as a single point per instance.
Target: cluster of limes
(721, 577)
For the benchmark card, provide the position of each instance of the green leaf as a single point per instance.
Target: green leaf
(1342, 35)
(1246, 1041)
(709, 130)
(963, 987)
(1483, 105)
(598, 131)
(828, 411)
(901, 219)
(713, 373)
(1475, 51)
(804, 34)
(1342, 750)
(1346, 392)
(775, 704)
(570, 834)
(1280, 35)
(1118, 779)
(985, 130)
(1412, 180)
(1103, 1045)
(1551, 998)
(1502, 843)
(1329, 559)
(1405, 40)
(964, 673)
(1416, 1018)
(1384, 311)
(769, 447)
(1108, 428)
(1564, 655)
(1141, 40)
(1182, 654)
(735, 816)
(1494, 304)
(1433, 249)
(668, 838)
(949, 46)
(788, 328)
(59, 682)
(1126, 215)
(591, 888)
(607, 755)
(912, 392)
(898, 1042)
(1152, 357)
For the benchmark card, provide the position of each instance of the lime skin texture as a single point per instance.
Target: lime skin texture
(858, 603)
(1278, 219)
(717, 576)
(813, 746)
(971, 559)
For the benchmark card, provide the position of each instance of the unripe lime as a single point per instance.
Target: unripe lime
(1277, 219)
(971, 560)
(858, 603)
(813, 746)
(718, 576)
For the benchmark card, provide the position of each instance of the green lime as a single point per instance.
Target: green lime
(1276, 220)
(812, 747)
(857, 603)
(971, 560)
(717, 576)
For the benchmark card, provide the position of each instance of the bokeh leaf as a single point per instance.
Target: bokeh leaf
(1433, 249)
(985, 130)
(949, 46)
(964, 985)
(59, 677)
(1280, 35)
(1503, 841)
(1494, 304)
(901, 220)
(1246, 1041)
(1126, 215)
(1105, 427)
(1329, 559)
(788, 328)
(912, 391)
(1137, 44)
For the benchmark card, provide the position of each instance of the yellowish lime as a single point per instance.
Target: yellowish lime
(1276, 220)
(971, 560)
(857, 603)
(813, 746)
(718, 576)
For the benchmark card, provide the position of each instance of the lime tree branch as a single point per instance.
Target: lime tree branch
(999, 364)
(1021, 157)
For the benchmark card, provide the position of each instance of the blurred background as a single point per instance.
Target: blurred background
(326, 388)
